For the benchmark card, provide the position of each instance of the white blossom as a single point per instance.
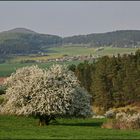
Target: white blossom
(54, 91)
(110, 114)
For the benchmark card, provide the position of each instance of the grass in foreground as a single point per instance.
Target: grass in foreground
(12, 127)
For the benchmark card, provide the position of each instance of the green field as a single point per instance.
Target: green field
(12, 127)
(88, 50)
(7, 68)
(58, 52)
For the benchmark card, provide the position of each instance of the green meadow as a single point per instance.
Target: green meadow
(12, 127)
(70, 50)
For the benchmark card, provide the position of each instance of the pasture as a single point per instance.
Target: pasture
(12, 127)
(72, 51)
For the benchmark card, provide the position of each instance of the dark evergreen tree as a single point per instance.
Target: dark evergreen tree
(112, 81)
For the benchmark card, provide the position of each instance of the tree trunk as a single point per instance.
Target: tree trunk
(44, 120)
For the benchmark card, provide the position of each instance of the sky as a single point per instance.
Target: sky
(67, 18)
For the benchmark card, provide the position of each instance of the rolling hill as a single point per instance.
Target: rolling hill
(121, 38)
(22, 41)
(20, 30)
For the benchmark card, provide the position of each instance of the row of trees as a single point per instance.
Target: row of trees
(112, 81)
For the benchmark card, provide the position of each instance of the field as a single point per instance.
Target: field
(12, 127)
(7, 68)
(88, 50)
(59, 52)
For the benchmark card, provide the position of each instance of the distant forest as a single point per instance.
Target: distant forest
(122, 38)
(112, 81)
(25, 42)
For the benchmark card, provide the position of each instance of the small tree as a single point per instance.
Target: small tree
(45, 94)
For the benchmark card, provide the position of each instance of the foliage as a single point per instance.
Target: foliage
(110, 114)
(124, 121)
(26, 43)
(45, 93)
(2, 90)
(124, 38)
(1, 99)
(112, 81)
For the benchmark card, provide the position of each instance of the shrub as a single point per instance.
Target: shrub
(2, 90)
(45, 94)
(110, 114)
(1, 99)
(124, 121)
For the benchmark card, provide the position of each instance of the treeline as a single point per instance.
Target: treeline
(122, 38)
(112, 81)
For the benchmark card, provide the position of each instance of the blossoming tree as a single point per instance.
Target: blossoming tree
(45, 94)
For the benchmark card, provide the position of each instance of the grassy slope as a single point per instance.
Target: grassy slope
(27, 128)
(115, 51)
(86, 51)
(73, 50)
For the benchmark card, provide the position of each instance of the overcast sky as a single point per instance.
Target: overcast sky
(66, 18)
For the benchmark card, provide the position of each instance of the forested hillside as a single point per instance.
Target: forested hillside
(112, 81)
(122, 38)
(23, 41)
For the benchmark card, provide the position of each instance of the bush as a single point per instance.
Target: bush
(2, 90)
(124, 121)
(1, 99)
(110, 114)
